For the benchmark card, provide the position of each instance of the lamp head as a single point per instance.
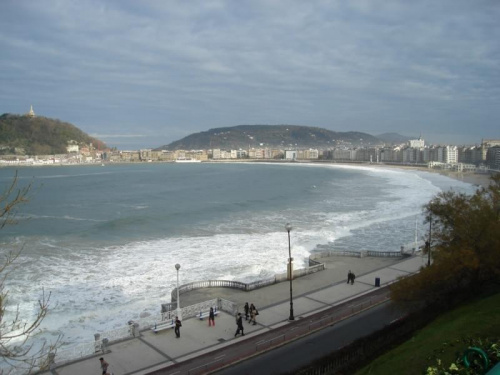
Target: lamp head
(288, 227)
(177, 266)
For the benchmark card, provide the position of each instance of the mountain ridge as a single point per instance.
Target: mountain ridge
(283, 136)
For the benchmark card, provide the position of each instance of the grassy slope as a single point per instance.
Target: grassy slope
(480, 318)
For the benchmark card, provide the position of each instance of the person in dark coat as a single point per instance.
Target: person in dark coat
(104, 366)
(211, 317)
(178, 326)
(239, 324)
(247, 309)
(349, 276)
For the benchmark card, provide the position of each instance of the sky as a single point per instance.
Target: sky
(142, 74)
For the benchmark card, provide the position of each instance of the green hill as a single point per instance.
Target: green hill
(40, 136)
(282, 136)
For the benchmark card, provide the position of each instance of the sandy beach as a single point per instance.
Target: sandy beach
(477, 179)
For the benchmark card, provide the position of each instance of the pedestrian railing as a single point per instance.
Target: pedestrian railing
(384, 254)
(260, 283)
(244, 286)
(207, 284)
(354, 253)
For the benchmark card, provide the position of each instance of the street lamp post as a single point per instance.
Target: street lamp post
(430, 239)
(177, 267)
(288, 228)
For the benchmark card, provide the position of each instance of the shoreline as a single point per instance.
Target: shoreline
(482, 180)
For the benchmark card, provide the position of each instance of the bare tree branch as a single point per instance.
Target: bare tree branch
(16, 348)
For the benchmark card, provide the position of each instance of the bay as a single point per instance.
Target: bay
(104, 240)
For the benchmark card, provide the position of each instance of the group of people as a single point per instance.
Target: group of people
(250, 312)
(350, 277)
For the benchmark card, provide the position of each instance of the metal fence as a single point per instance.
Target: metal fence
(354, 253)
(317, 266)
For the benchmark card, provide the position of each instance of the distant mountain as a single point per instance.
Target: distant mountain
(282, 136)
(40, 135)
(394, 138)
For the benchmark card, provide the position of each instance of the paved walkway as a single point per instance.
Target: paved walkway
(312, 294)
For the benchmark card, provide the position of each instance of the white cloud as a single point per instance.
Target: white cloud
(200, 64)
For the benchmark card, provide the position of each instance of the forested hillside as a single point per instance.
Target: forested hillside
(244, 136)
(40, 136)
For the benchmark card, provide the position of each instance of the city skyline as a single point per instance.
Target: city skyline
(141, 75)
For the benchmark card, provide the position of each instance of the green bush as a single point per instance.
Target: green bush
(476, 363)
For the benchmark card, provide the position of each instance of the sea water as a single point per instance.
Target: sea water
(104, 240)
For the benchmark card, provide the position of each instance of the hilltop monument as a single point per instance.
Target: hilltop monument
(31, 113)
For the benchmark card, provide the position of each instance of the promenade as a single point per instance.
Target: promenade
(201, 347)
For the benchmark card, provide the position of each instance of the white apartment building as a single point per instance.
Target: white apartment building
(417, 143)
(311, 154)
(216, 153)
(451, 154)
(291, 154)
(341, 154)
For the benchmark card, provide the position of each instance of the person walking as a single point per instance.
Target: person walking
(253, 314)
(178, 326)
(250, 311)
(349, 275)
(104, 366)
(247, 308)
(239, 325)
(211, 317)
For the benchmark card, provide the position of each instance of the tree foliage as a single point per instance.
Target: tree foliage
(465, 246)
(15, 350)
(40, 135)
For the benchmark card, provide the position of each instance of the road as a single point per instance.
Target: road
(296, 354)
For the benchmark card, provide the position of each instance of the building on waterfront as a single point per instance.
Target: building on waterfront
(493, 157)
(447, 154)
(291, 154)
(72, 147)
(417, 143)
(486, 144)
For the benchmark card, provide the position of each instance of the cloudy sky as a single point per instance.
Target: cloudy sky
(141, 74)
